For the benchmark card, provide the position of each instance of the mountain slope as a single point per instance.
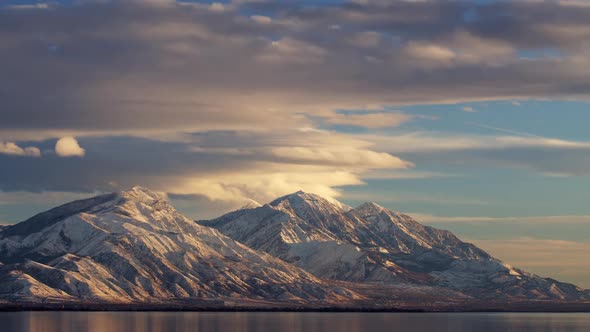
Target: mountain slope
(134, 247)
(372, 244)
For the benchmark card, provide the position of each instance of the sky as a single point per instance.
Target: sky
(471, 116)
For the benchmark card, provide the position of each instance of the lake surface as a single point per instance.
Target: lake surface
(287, 322)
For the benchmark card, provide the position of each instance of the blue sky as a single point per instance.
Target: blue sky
(470, 115)
(503, 190)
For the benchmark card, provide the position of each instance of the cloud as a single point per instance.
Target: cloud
(27, 6)
(575, 219)
(289, 51)
(430, 55)
(365, 39)
(422, 142)
(211, 95)
(210, 67)
(559, 259)
(267, 181)
(389, 198)
(370, 120)
(11, 148)
(261, 19)
(550, 156)
(69, 147)
(406, 174)
(341, 156)
(230, 166)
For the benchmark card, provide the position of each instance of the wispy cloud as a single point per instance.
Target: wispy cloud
(423, 141)
(370, 119)
(428, 218)
(503, 130)
(407, 174)
(559, 259)
(545, 155)
(391, 198)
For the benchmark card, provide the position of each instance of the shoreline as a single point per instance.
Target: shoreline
(564, 308)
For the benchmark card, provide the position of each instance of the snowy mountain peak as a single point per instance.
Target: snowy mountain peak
(301, 199)
(251, 204)
(138, 202)
(369, 208)
(298, 195)
(143, 195)
(48, 218)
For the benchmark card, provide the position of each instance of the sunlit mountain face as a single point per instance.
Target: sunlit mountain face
(465, 122)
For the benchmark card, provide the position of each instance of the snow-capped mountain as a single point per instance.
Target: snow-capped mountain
(134, 247)
(372, 244)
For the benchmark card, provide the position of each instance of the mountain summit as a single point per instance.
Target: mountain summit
(302, 200)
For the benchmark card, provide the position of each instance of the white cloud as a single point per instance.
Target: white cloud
(69, 147)
(265, 181)
(341, 156)
(281, 163)
(11, 148)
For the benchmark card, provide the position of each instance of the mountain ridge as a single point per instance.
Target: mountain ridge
(373, 244)
(134, 248)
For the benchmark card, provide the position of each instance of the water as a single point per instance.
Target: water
(289, 322)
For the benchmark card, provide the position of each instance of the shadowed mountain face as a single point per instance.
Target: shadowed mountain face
(134, 247)
(301, 249)
(372, 244)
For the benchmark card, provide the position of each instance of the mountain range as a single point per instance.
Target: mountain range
(301, 250)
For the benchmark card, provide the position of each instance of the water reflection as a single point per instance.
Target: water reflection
(288, 322)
